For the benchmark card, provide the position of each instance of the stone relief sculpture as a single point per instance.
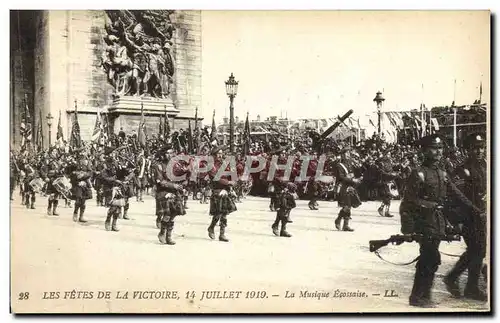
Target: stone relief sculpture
(138, 58)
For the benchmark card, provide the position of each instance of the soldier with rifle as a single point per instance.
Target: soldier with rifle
(421, 212)
(474, 173)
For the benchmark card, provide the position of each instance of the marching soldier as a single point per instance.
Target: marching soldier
(386, 175)
(141, 175)
(348, 195)
(221, 203)
(98, 182)
(421, 213)
(169, 199)
(113, 195)
(284, 204)
(50, 173)
(125, 174)
(81, 188)
(29, 194)
(474, 174)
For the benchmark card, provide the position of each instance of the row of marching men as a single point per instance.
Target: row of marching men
(116, 177)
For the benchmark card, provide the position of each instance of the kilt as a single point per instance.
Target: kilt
(285, 201)
(221, 205)
(51, 188)
(169, 207)
(348, 196)
(79, 192)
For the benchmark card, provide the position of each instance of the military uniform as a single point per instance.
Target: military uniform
(285, 202)
(50, 173)
(29, 194)
(169, 202)
(221, 203)
(81, 188)
(348, 196)
(141, 178)
(113, 195)
(385, 176)
(421, 213)
(474, 174)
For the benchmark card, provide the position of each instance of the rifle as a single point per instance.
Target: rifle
(398, 239)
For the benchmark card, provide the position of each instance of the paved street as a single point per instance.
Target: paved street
(54, 254)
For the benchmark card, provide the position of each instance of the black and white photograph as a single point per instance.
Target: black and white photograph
(175, 161)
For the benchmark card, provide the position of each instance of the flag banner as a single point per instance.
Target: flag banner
(59, 136)
(435, 123)
(96, 135)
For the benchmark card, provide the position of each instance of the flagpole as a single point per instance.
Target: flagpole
(455, 126)
(430, 121)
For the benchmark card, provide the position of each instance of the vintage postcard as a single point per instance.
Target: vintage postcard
(189, 161)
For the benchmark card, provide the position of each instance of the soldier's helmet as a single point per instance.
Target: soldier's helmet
(432, 141)
(475, 140)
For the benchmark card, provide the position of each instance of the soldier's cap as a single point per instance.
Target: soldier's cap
(475, 140)
(432, 141)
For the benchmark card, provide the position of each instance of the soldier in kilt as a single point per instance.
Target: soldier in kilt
(50, 173)
(81, 188)
(169, 199)
(285, 203)
(348, 194)
(125, 174)
(221, 203)
(141, 178)
(385, 176)
(113, 195)
(98, 182)
(29, 194)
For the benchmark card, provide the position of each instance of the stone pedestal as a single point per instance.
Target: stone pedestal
(125, 113)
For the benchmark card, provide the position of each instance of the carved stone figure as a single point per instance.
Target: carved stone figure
(138, 59)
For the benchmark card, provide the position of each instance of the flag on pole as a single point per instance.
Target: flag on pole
(141, 135)
(213, 132)
(39, 134)
(435, 123)
(26, 125)
(166, 127)
(480, 91)
(246, 137)
(59, 136)
(76, 139)
(96, 135)
(190, 138)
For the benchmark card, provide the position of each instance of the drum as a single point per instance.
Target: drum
(63, 186)
(37, 185)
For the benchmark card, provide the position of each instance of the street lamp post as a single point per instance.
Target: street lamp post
(231, 90)
(379, 99)
(49, 118)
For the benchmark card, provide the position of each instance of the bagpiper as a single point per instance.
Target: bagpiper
(81, 188)
(221, 203)
(348, 196)
(169, 198)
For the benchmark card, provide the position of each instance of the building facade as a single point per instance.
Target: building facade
(117, 61)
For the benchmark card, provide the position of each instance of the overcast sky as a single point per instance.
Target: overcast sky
(322, 63)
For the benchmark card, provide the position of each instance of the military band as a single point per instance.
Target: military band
(439, 195)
